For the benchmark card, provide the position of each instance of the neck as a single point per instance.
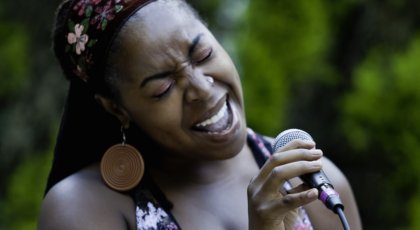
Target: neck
(191, 172)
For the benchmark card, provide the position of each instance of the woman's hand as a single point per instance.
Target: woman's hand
(270, 206)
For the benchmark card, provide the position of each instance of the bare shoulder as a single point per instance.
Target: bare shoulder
(82, 201)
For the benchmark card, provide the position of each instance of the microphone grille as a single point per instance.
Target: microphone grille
(288, 135)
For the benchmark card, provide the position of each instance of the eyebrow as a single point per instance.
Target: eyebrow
(194, 44)
(164, 74)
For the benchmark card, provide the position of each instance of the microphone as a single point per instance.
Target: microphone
(317, 180)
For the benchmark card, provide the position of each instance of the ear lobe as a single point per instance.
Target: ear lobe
(115, 109)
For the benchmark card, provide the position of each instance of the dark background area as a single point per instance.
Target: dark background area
(346, 71)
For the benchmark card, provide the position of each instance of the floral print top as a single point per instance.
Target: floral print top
(151, 214)
(152, 217)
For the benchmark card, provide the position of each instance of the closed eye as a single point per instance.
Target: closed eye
(203, 56)
(165, 89)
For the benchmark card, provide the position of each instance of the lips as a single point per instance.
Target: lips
(218, 122)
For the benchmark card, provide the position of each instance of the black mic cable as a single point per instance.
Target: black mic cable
(318, 180)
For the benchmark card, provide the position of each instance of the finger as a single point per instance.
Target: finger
(297, 143)
(280, 206)
(281, 158)
(300, 188)
(292, 201)
(280, 174)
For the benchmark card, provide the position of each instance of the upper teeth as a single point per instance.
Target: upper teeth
(214, 118)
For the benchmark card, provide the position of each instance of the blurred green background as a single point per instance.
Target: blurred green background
(346, 71)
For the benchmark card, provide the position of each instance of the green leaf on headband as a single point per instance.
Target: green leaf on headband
(118, 8)
(103, 24)
(85, 24)
(88, 11)
(71, 25)
(92, 43)
(67, 49)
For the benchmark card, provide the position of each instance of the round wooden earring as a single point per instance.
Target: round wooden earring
(122, 167)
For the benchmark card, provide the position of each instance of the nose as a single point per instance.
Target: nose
(199, 86)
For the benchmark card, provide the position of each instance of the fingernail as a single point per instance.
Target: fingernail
(316, 163)
(313, 193)
(309, 142)
(316, 152)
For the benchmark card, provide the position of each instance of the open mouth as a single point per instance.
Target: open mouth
(218, 123)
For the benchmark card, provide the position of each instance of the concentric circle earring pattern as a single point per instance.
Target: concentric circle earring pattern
(122, 167)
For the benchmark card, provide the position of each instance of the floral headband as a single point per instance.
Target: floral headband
(91, 27)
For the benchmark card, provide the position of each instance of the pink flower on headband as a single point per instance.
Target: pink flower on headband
(78, 38)
(88, 35)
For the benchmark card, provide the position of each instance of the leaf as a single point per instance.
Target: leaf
(118, 8)
(104, 23)
(71, 25)
(92, 43)
(88, 11)
(85, 23)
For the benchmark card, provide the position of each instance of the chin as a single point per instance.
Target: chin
(234, 148)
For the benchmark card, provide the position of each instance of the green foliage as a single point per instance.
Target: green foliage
(382, 113)
(285, 42)
(414, 211)
(347, 69)
(385, 97)
(13, 58)
(24, 192)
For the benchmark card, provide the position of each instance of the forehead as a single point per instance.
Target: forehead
(158, 34)
(161, 21)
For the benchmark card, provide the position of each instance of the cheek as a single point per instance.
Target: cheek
(224, 65)
(225, 71)
(157, 118)
(149, 114)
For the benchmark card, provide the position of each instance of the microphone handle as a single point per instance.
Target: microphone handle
(327, 194)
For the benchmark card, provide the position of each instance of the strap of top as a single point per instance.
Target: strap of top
(260, 147)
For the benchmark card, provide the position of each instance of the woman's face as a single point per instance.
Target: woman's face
(167, 59)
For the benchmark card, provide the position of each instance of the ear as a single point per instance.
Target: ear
(115, 109)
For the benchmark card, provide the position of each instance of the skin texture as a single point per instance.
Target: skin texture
(164, 59)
